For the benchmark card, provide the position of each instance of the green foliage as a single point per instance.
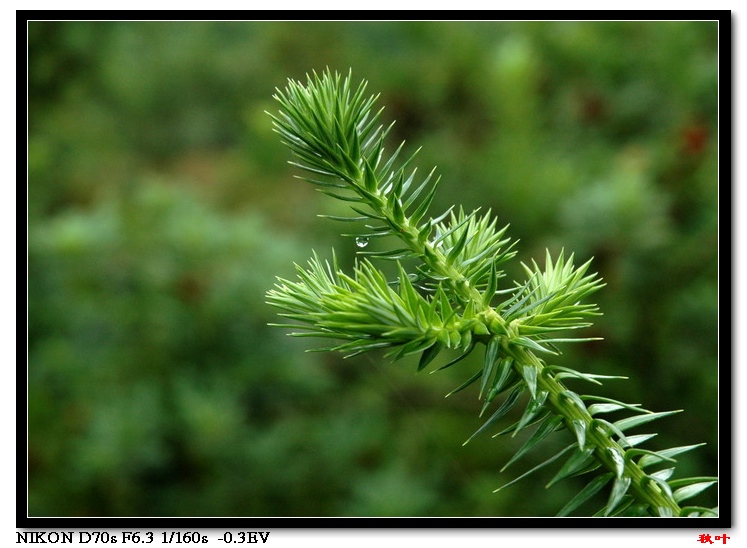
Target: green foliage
(445, 301)
(155, 371)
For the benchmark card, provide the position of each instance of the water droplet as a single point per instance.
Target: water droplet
(361, 242)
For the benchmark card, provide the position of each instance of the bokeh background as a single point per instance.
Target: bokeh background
(161, 208)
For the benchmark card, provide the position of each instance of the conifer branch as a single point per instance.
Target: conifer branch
(452, 300)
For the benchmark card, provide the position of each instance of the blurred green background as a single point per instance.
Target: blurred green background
(161, 209)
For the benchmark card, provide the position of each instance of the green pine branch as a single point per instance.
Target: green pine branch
(453, 299)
